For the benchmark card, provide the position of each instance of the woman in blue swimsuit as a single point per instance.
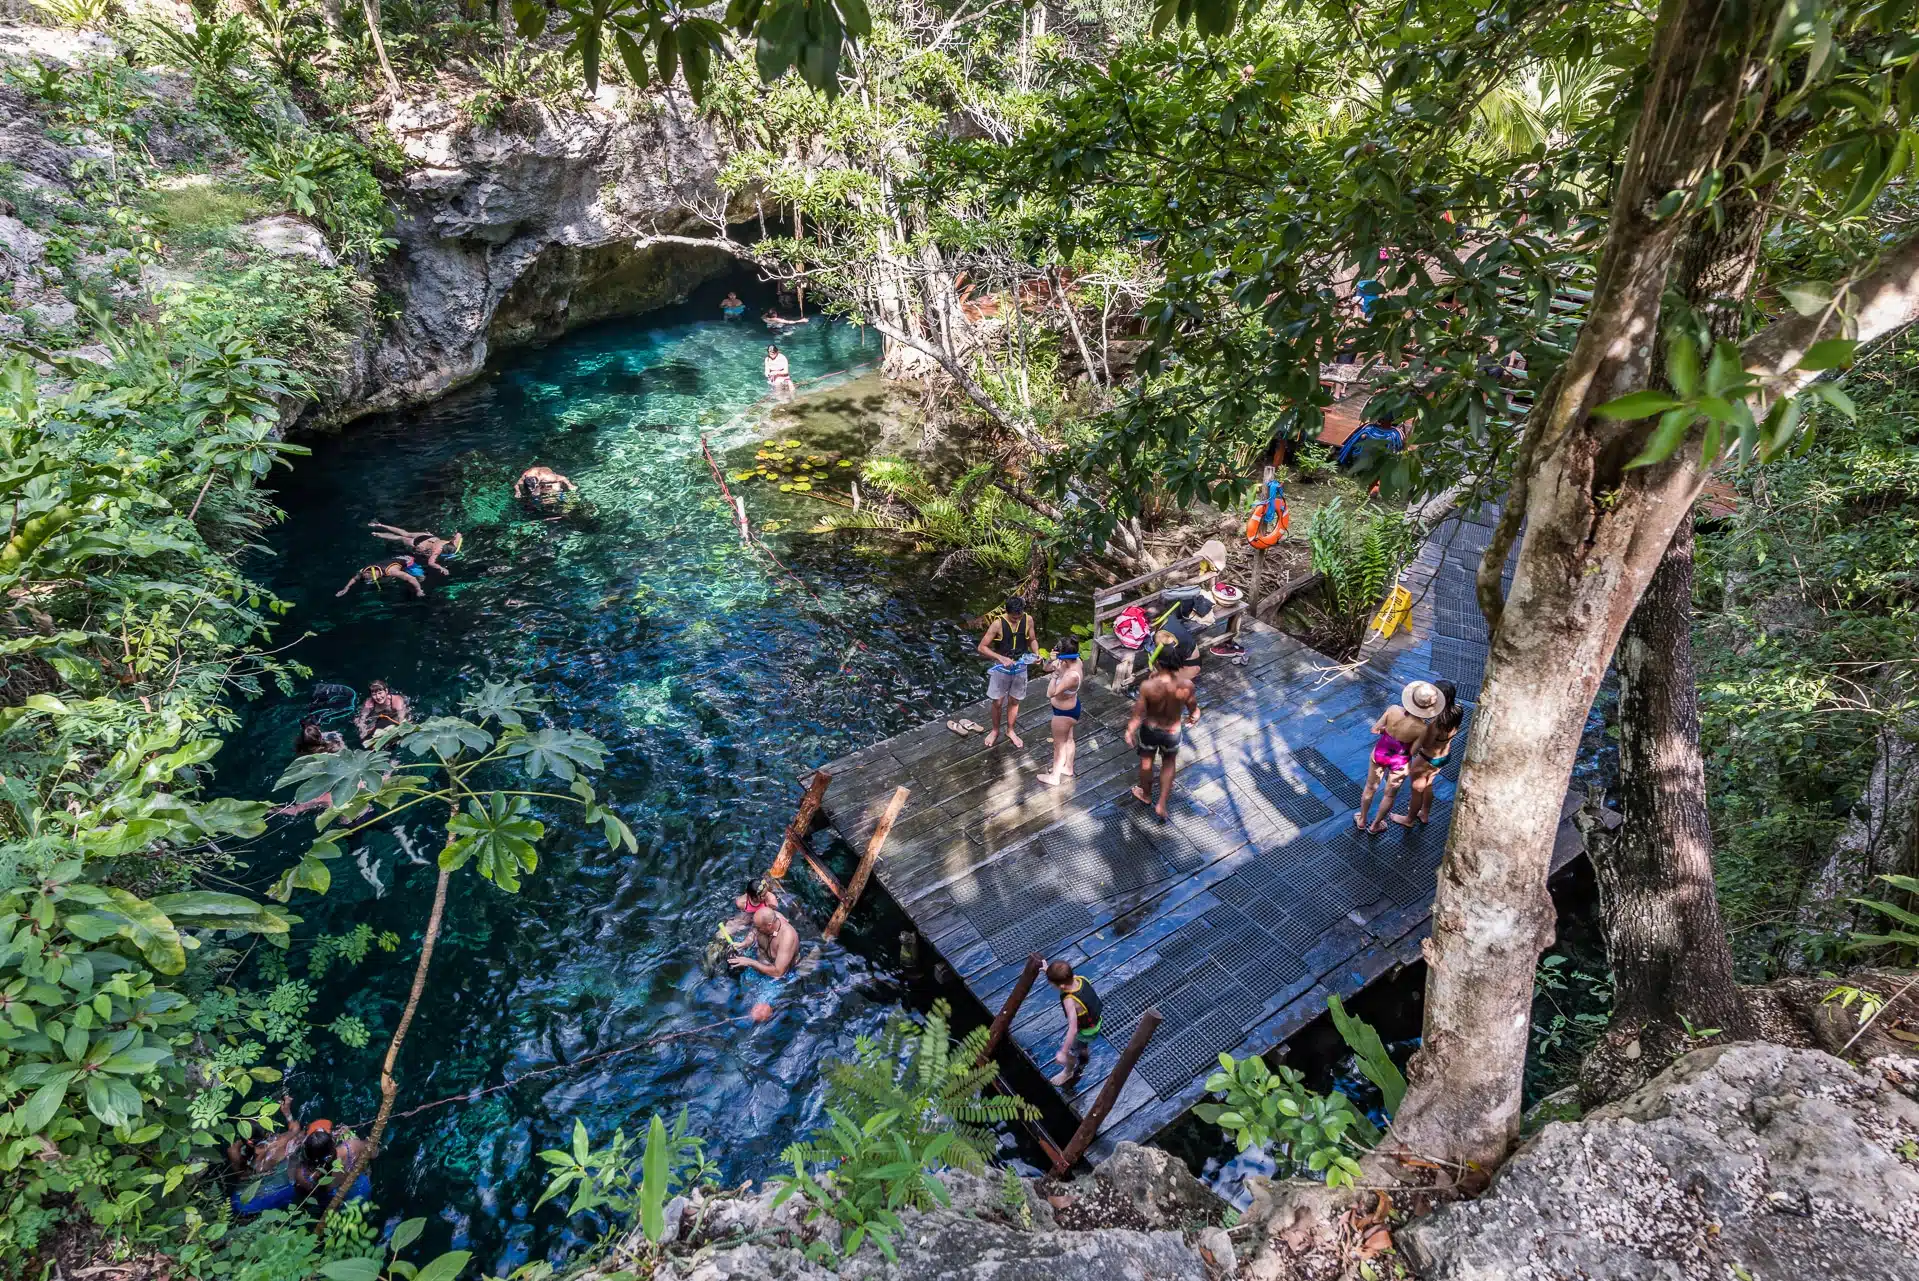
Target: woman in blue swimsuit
(1062, 690)
(404, 568)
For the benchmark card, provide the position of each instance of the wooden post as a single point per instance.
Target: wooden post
(1007, 1012)
(1148, 1024)
(857, 886)
(824, 877)
(802, 823)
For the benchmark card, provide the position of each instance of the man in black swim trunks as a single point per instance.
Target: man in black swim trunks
(1165, 706)
(541, 483)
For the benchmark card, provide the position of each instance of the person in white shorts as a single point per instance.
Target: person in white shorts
(1007, 639)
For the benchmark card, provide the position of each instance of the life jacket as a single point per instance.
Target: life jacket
(1270, 519)
(1090, 1006)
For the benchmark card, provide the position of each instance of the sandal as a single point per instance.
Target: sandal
(962, 728)
(971, 727)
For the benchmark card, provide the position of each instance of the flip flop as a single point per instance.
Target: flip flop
(959, 727)
(971, 727)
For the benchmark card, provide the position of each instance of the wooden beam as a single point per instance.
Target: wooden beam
(1148, 1024)
(864, 871)
(802, 823)
(818, 869)
(1010, 1010)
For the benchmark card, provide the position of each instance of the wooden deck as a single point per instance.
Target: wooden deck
(1237, 916)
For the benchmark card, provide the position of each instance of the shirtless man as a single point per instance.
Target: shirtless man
(777, 942)
(255, 1156)
(1166, 705)
(423, 543)
(541, 482)
(382, 708)
(403, 568)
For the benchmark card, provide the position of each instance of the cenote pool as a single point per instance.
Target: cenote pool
(713, 681)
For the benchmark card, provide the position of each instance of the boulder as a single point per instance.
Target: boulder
(1752, 1159)
(1161, 1186)
(290, 237)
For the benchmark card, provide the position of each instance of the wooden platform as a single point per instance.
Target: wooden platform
(1238, 915)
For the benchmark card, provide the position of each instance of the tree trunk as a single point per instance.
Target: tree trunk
(1595, 533)
(1072, 325)
(389, 1085)
(371, 9)
(1670, 959)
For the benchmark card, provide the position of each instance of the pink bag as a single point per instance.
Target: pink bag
(1131, 627)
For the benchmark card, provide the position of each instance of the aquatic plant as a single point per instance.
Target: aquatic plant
(603, 1178)
(973, 522)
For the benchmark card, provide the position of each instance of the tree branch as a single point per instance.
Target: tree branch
(1882, 300)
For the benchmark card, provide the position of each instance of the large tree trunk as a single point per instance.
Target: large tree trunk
(1595, 533)
(1671, 962)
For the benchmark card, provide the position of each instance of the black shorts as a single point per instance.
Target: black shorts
(1151, 739)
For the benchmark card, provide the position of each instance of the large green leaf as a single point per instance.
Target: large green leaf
(113, 1101)
(445, 737)
(557, 752)
(203, 909)
(507, 702)
(499, 836)
(445, 1267)
(338, 775)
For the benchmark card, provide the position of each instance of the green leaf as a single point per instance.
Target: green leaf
(653, 1166)
(1664, 439)
(445, 737)
(360, 1269)
(556, 752)
(1682, 364)
(405, 1235)
(1637, 404)
(508, 702)
(1838, 399)
(45, 1102)
(1807, 297)
(338, 775)
(1831, 353)
(204, 909)
(113, 1101)
(499, 835)
(446, 1267)
(1374, 1063)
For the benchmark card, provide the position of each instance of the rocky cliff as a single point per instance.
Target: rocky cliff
(515, 233)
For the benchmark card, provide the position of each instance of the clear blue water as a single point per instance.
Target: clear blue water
(715, 683)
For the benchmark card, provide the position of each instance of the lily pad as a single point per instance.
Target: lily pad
(785, 488)
(748, 474)
(802, 485)
(844, 462)
(790, 444)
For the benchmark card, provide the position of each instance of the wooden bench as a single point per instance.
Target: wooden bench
(1149, 592)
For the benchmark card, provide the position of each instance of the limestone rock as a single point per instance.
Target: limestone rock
(1783, 1162)
(290, 237)
(1161, 1186)
(517, 233)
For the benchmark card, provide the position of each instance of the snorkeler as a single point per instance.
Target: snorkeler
(404, 568)
(735, 932)
(321, 1151)
(777, 321)
(382, 708)
(314, 741)
(776, 941)
(541, 482)
(423, 543)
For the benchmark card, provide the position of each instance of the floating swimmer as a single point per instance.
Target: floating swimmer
(542, 483)
(423, 543)
(404, 568)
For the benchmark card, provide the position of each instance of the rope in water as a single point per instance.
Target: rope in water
(472, 1096)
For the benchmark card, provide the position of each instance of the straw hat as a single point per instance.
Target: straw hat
(1422, 699)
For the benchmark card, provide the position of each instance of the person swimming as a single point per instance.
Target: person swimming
(779, 375)
(382, 709)
(315, 741)
(775, 941)
(731, 307)
(423, 543)
(404, 568)
(541, 483)
(778, 321)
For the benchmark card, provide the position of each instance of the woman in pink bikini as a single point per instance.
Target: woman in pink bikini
(1399, 728)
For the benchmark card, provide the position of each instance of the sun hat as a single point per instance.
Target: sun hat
(1422, 699)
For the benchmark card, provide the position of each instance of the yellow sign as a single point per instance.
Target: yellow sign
(1397, 612)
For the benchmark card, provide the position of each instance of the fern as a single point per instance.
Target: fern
(929, 1083)
(973, 520)
(1358, 553)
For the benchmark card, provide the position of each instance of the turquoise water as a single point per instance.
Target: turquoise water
(714, 681)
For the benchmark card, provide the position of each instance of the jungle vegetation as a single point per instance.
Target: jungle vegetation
(1619, 250)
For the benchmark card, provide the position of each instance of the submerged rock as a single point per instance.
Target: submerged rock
(1755, 1160)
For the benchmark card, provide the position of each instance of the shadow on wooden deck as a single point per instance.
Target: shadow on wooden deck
(1239, 914)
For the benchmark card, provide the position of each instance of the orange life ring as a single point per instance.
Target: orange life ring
(1264, 531)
